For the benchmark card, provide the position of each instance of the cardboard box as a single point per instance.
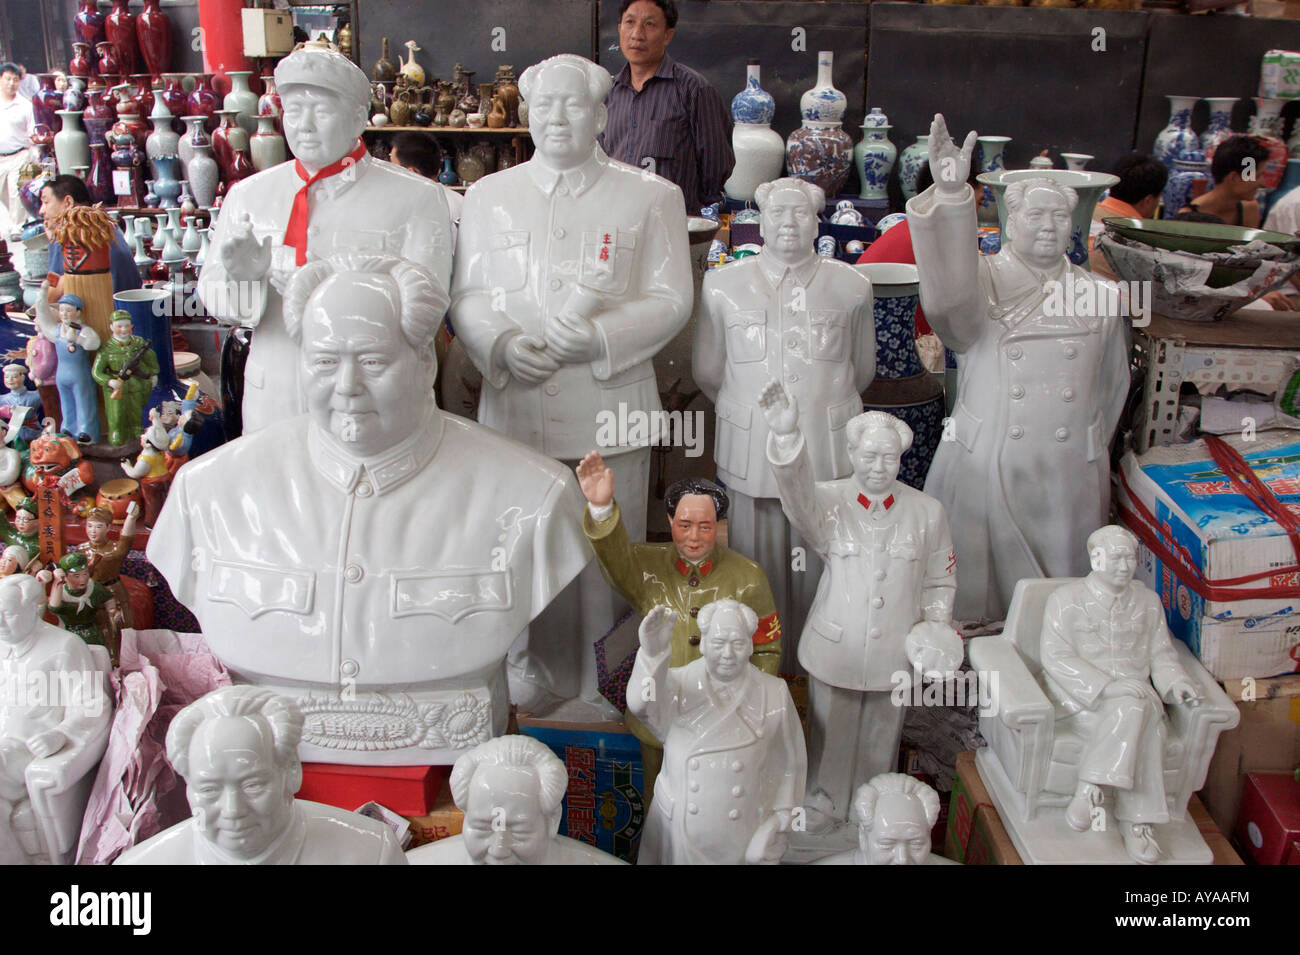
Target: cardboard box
(975, 833)
(267, 32)
(605, 805)
(1220, 534)
(1268, 824)
(1279, 74)
(1266, 740)
(442, 820)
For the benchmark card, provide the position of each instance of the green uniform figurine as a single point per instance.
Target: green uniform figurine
(686, 575)
(124, 367)
(23, 529)
(75, 599)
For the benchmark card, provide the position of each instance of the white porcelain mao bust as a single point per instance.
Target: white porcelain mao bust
(734, 760)
(1101, 726)
(237, 749)
(894, 814)
(572, 271)
(333, 198)
(376, 558)
(1024, 479)
(55, 708)
(511, 790)
(883, 614)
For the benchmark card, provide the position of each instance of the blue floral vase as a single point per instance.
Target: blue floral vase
(909, 164)
(874, 158)
(1190, 167)
(1177, 135)
(991, 160)
(759, 149)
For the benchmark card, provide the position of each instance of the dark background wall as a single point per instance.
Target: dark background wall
(1031, 74)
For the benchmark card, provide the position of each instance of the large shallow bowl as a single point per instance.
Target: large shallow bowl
(1195, 237)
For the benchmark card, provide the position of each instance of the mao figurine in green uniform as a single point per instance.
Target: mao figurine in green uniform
(124, 368)
(686, 575)
(75, 599)
(23, 529)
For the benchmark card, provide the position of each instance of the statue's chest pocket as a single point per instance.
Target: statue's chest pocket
(607, 257)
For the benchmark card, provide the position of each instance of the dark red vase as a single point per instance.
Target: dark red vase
(202, 101)
(119, 30)
(88, 24)
(100, 180)
(222, 151)
(47, 102)
(241, 166)
(97, 117)
(174, 97)
(82, 62)
(142, 93)
(109, 64)
(153, 30)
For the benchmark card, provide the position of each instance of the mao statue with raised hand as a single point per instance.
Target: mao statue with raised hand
(572, 271)
(1023, 468)
(894, 814)
(786, 313)
(883, 613)
(237, 749)
(1105, 644)
(686, 575)
(376, 558)
(332, 198)
(734, 761)
(511, 790)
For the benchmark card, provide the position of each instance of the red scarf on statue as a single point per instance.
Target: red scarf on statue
(295, 234)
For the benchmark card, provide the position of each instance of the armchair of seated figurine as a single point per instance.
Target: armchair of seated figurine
(59, 785)
(1037, 747)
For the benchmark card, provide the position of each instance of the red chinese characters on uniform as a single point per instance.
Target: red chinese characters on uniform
(581, 817)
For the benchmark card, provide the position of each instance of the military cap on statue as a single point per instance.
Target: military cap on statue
(318, 64)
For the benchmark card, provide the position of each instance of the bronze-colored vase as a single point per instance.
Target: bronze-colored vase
(384, 71)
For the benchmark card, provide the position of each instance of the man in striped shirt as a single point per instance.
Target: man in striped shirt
(663, 116)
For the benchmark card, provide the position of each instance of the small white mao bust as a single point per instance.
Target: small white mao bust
(894, 814)
(511, 790)
(237, 749)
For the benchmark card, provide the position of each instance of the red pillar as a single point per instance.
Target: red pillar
(223, 40)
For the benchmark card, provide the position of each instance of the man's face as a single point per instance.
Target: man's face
(1115, 562)
(788, 223)
(695, 527)
(17, 618)
(643, 34)
(504, 823)
(8, 565)
(69, 313)
(121, 331)
(78, 579)
(320, 126)
(14, 380)
(727, 646)
(562, 119)
(365, 384)
(25, 522)
(876, 458)
(53, 207)
(899, 834)
(96, 532)
(1041, 227)
(9, 84)
(239, 795)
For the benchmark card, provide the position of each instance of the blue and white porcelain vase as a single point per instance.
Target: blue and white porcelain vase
(902, 387)
(910, 162)
(759, 149)
(874, 158)
(1267, 120)
(1177, 135)
(1190, 167)
(823, 103)
(1220, 127)
(991, 150)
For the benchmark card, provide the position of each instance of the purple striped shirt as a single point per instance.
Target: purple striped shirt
(677, 120)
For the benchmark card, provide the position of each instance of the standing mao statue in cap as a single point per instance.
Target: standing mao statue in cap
(333, 198)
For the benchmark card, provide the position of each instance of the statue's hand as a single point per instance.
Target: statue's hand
(779, 408)
(656, 632)
(243, 256)
(596, 480)
(949, 163)
(46, 744)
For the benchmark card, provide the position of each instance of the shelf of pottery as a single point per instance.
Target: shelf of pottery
(485, 125)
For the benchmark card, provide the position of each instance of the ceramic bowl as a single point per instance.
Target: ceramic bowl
(1195, 237)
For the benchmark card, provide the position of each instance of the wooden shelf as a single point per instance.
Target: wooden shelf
(507, 131)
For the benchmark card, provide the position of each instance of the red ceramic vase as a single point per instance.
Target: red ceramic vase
(142, 93)
(153, 30)
(221, 148)
(88, 24)
(100, 180)
(82, 63)
(97, 117)
(241, 166)
(174, 97)
(119, 30)
(47, 102)
(202, 101)
(109, 64)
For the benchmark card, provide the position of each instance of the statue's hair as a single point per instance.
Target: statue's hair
(1111, 533)
(521, 752)
(1016, 192)
(267, 711)
(19, 553)
(876, 420)
(30, 589)
(814, 193)
(695, 485)
(864, 800)
(599, 82)
(709, 612)
(409, 287)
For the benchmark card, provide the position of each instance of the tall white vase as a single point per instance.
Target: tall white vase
(759, 149)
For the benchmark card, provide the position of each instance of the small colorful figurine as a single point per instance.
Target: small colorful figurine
(124, 368)
(18, 396)
(75, 599)
(54, 460)
(183, 420)
(14, 560)
(86, 234)
(105, 557)
(78, 396)
(23, 530)
(151, 467)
